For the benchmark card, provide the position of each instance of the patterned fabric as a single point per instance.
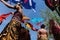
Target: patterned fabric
(14, 30)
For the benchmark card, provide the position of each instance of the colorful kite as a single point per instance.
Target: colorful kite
(4, 16)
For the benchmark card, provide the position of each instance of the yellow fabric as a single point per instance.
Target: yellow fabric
(25, 18)
(27, 25)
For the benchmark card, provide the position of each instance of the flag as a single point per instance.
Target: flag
(4, 16)
(30, 26)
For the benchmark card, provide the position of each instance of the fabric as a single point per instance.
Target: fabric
(49, 4)
(15, 31)
(39, 23)
(25, 18)
(14, 27)
(57, 36)
(55, 29)
(4, 16)
(30, 26)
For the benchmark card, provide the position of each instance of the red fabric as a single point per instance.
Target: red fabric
(34, 29)
(49, 2)
(55, 27)
(39, 23)
(4, 16)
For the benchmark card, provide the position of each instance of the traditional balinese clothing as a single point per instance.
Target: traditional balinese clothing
(13, 27)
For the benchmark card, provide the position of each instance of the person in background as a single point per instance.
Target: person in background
(42, 33)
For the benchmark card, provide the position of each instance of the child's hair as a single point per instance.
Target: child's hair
(19, 4)
(42, 26)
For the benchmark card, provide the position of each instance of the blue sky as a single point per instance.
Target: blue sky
(40, 5)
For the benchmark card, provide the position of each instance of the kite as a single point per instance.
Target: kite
(4, 16)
